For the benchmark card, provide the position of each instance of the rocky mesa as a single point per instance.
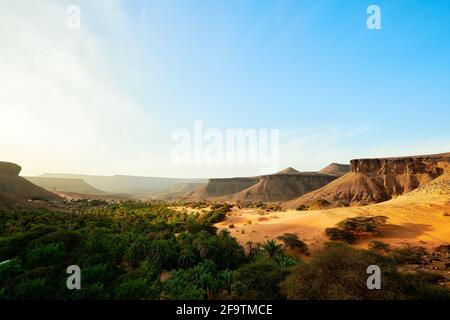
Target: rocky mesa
(16, 191)
(376, 180)
(283, 186)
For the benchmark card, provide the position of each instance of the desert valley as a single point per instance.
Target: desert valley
(413, 192)
(393, 207)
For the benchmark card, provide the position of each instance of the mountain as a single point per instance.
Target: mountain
(222, 188)
(128, 185)
(377, 180)
(336, 169)
(17, 191)
(178, 191)
(65, 185)
(282, 186)
(289, 170)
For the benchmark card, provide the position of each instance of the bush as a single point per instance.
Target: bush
(362, 224)
(408, 255)
(339, 234)
(378, 245)
(291, 241)
(336, 272)
(33, 289)
(45, 255)
(133, 289)
(259, 281)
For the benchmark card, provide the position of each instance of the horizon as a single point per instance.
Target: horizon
(106, 98)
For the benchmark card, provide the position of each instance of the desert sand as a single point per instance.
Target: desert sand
(420, 218)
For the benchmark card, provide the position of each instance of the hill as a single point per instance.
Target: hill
(376, 180)
(336, 169)
(16, 191)
(65, 185)
(282, 186)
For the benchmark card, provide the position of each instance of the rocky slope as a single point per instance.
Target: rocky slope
(16, 191)
(336, 169)
(64, 185)
(377, 180)
(282, 186)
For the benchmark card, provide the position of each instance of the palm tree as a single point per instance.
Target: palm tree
(272, 248)
(227, 280)
(224, 233)
(187, 257)
(285, 262)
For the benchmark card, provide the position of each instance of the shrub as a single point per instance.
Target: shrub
(259, 281)
(133, 289)
(45, 255)
(33, 289)
(291, 241)
(378, 245)
(408, 255)
(362, 224)
(339, 234)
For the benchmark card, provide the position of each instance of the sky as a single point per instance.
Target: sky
(106, 98)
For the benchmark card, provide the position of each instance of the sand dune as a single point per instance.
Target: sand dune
(420, 217)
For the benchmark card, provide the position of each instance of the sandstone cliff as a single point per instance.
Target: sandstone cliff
(282, 186)
(15, 191)
(376, 180)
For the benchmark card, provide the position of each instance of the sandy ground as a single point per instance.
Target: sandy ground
(413, 219)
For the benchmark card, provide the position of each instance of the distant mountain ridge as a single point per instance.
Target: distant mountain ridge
(65, 185)
(123, 184)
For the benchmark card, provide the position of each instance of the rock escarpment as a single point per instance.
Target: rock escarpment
(376, 180)
(283, 186)
(16, 191)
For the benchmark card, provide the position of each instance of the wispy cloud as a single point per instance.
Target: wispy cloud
(58, 104)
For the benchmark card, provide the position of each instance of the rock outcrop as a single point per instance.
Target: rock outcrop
(16, 191)
(8, 168)
(336, 169)
(376, 180)
(283, 186)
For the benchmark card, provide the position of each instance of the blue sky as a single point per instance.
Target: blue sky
(105, 99)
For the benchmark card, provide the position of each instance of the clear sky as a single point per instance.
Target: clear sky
(106, 99)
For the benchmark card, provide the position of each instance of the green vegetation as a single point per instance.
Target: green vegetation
(336, 273)
(147, 251)
(347, 229)
(292, 242)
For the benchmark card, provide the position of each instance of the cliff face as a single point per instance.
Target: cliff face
(431, 165)
(226, 187)
(376, 180)
(268, 188)
(8, 168)
(15, 191)
(283, 187)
